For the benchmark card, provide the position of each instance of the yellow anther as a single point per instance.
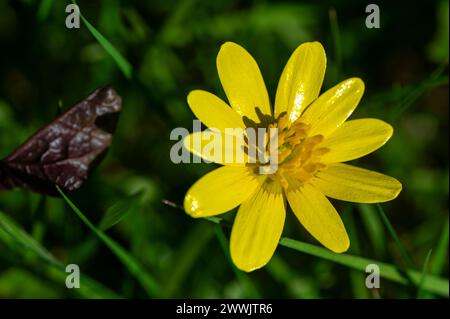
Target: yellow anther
(298, 155)
(294, 139)
(303, 176)
(283, 121)
(321, 151)
(316, 139)
(310, 168)
(283, 155)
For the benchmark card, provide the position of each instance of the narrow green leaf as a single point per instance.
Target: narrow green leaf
(117, 212)
(216, 220)
(407, 259)
(336, 38)
(424, 274)
(37, 214)
(440, 255)
(431, 283)
(14, 236)
(357, 279)
(441, 251)
(186, 257)
(402, 250)
(121, 62)
(434, 80)
(147, 282)
(24, 240)
(374, 228)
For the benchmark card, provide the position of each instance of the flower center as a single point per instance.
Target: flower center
(299, 153)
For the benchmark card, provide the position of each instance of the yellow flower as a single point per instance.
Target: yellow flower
(313, 141)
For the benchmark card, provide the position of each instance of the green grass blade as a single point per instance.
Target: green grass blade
(440, 255)
(147, 282)
(216, 220)
(117, 212)
(357, 278)
(14, 236)
(121, 62)
(336, 38)
(24, 240)
(424, 274)
(433, 81)
(434, 284)
(407, 259)
(186, 257)
(402, 250)
(374, 228)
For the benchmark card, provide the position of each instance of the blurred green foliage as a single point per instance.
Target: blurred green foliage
(171, 47)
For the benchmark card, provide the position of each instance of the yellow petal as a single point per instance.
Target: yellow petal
(301, 80)
(242, 81)
(355, 139)
(333, 107)
(212, 111)
(212, 146)
(318, 216)
(220, 191)
(257, 228)
(354, 184)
